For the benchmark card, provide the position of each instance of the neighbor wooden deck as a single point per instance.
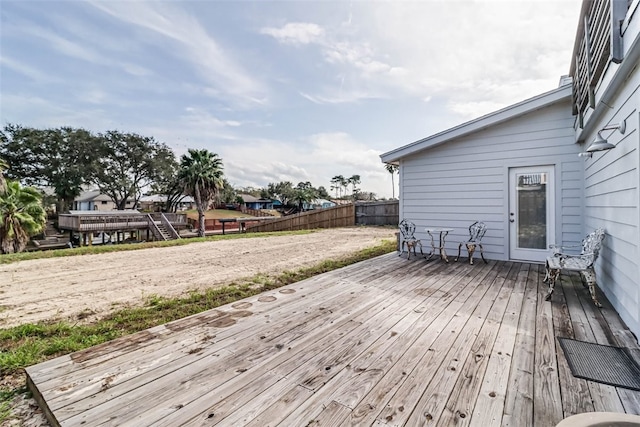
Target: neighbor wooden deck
(383, 342)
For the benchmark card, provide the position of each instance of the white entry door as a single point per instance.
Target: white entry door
(531, 212)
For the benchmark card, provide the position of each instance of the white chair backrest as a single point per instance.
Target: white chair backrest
(476, 231)
(593, 243)
(407, 229)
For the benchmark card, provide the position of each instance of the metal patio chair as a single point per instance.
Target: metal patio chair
(407, 236)
(582, 262)
(476, 233)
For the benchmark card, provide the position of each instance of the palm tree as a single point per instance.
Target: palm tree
(353, 181)
(3, 183)
(304, 193)
(21, 216)
(339, 182)
(201, 175)
(392, 169)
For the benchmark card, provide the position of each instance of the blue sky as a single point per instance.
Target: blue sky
(281, 90)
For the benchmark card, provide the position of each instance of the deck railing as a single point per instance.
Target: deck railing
(99, 222)
(177, 220)
(114, 222)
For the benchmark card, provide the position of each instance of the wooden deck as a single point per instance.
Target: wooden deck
(383, 342)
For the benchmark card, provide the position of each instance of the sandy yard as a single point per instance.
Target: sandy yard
(71, 287)
(89, 286)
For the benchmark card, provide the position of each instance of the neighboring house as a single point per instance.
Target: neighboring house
(518, 169)
(156, 202)
(317, 204)
(93, 200)
(252, 202)
(341, 202)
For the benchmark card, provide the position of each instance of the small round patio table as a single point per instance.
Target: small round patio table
(442, 233)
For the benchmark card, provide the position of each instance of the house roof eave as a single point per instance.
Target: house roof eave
(491, 119)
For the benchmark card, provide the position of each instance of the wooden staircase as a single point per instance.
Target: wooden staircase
(162, 230)
(166, 235)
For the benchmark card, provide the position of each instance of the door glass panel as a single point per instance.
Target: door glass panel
(532, 210)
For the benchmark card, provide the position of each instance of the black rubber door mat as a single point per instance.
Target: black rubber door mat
(601, 363)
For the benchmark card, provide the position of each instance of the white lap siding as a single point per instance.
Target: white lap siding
(466, 179)
(611, 200)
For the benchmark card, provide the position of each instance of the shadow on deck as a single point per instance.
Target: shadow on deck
(382, 342)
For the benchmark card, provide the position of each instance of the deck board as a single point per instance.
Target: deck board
(489, 406)
(385, 342)
(575, 391)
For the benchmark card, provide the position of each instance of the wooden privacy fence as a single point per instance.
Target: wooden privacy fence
(338, 216)
(377, 213)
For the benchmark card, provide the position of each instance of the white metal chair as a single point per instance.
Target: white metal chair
(476, 233)
(582, 262)
(407, 235)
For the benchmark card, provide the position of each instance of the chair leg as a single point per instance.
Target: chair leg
(411, 245)
(402, 247)
(482, 253)
(419, 243)
(551, 276)
(471, 248)
(589, 277)
(459, 247)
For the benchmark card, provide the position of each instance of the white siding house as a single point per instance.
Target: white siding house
(461, 175)
(93, 200)
(611, 178)
(488, 169)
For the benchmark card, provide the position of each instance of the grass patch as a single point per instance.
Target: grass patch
(29, 343)
(101, 249)
(7, 394)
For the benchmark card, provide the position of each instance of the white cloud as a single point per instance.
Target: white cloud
(77, 47)
(461, 50)
(296, 33)
(343, 151)
(191, 41)
(196, 75)
(40, 112)
(25, 69)
(335, 95)
(63, 45)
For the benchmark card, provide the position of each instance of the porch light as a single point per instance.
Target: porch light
(600, 143)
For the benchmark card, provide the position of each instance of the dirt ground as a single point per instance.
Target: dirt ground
(85, 287)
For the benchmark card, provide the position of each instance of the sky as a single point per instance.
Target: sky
(280, 90)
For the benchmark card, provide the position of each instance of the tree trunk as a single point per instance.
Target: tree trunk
(393, 187)
(201, 225)
(201, 210)
(64, 205)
